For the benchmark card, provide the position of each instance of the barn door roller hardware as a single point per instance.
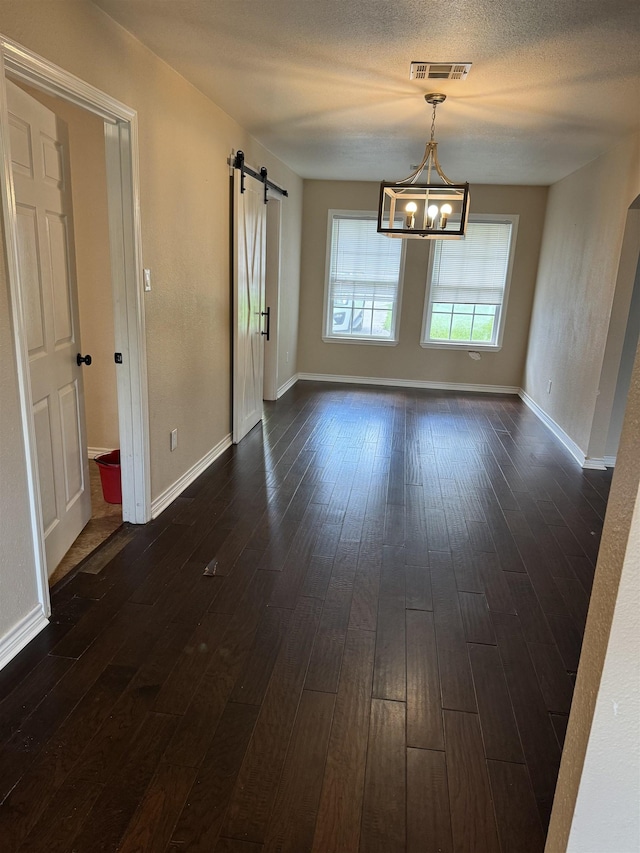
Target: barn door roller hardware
(238, 163)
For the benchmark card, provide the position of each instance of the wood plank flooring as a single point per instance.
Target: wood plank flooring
(382, 662)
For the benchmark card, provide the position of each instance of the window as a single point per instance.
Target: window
(363, 277)
(468, 282)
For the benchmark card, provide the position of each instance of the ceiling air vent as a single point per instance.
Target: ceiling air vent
(439, 70)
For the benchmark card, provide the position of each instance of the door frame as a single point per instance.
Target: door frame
(125, 240)
(272, 294)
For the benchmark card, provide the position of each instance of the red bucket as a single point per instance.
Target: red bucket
(109, 467)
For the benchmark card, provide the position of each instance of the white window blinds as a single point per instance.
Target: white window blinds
(473, 270)
(364, 264)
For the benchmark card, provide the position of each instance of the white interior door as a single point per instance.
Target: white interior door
(40, 162)
(249, 256)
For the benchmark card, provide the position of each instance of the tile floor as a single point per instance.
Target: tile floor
(105, 519)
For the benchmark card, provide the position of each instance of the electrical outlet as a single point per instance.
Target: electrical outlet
(549, 384)
(173, 439)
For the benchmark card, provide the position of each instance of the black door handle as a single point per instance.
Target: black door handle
(80, 359)
(267, 314)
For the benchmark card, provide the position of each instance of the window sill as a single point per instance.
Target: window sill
(372, 342)
(465, 347)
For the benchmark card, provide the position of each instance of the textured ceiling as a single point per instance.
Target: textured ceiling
(324, 84)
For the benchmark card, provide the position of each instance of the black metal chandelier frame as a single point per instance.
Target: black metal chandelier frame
(437, 211)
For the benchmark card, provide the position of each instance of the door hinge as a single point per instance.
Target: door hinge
(117, 357)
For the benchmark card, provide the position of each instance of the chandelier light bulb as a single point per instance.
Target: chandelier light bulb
(413, 207)
(432, 212)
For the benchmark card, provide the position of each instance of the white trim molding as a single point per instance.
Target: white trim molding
(410, 383)
(22, 633)
(609, 461)
(174, 491)
(43, 74)
(595, 463)
(581, 458)
(287, 385)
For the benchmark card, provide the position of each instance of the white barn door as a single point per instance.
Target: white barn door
(40, 164)
(249, 268)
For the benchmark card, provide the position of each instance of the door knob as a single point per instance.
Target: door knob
(80, 359)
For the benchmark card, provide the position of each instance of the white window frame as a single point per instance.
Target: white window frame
(473, 346)
(327, 336)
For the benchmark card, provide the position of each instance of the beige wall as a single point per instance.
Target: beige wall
(586, 218)
(408, 360)
(185, 142)
(93, 266)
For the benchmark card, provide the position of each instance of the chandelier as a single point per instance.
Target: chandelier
(437, 211)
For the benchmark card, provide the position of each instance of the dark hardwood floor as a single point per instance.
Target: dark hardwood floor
(382, 662)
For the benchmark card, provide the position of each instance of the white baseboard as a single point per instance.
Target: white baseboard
(410, 383)
(609, 461)
(287, 385)
(169, 495)
(580, 457)
(92, 452)
(594, 463)
(21, 634)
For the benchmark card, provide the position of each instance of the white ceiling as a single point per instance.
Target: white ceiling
(324, 84)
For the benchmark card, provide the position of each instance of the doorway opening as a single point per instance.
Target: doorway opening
(620, 348)
(630, 340)
(124, 291)
(272, 290)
